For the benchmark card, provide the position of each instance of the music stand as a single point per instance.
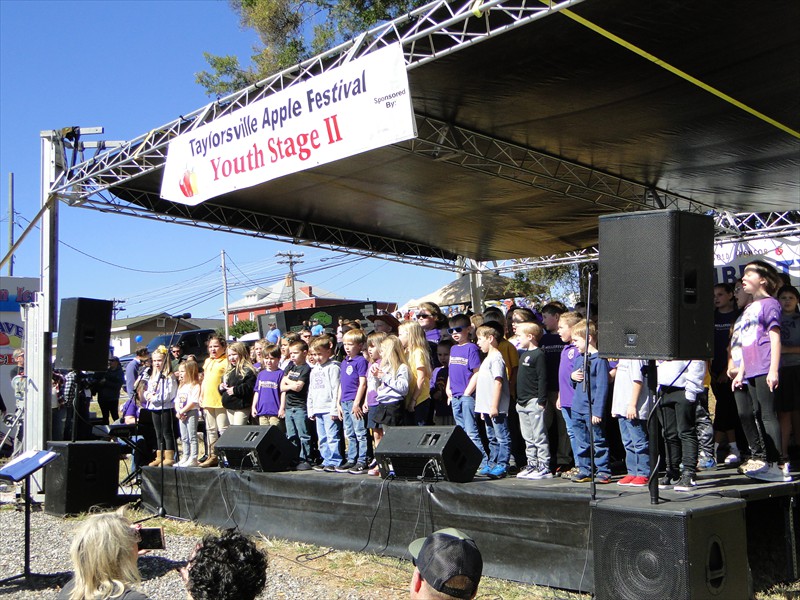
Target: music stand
(22, 467)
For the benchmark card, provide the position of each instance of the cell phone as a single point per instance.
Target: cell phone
(151, 538)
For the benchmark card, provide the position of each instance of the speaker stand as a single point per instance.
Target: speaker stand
(653, 431)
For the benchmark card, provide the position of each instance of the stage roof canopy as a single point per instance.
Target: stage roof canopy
(532, 122)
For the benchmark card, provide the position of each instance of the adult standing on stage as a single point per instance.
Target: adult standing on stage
(160, 395)
(216, 417)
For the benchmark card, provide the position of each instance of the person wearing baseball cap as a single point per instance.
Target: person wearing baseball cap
(448, 565)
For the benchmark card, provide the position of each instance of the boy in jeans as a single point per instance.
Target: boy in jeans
(323, 406)
(294, 397)
(589, 405)
(492, 399)
(353, 402)
(532, 403)
(462, 378)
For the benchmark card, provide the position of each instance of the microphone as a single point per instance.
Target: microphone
(183, 316)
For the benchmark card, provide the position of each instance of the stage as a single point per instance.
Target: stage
(529, 531)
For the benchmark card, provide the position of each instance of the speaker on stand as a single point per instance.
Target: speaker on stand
(84, 334)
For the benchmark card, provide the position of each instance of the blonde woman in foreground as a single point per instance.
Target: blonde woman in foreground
(104, 554)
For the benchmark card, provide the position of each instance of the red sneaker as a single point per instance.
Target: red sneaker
(639, 481)
(626, 480)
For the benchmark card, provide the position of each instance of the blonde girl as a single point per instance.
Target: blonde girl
(238, 384)
(374, 341)
(393, 389)
(187, 409)
(160, 398)
(216, 417)
(415, 344)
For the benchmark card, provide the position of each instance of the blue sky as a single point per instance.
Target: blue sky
(129, 67)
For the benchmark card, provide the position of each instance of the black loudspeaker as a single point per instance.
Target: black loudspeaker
(428, 453)
(84, 334)
(86, 474)
(694, 550)
(256, 448)
(656, 285)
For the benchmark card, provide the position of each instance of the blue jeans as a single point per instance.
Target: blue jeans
(499, 439)
(328, 435)
(356, 431)
(567, 412)
(580, 426)
(297, 431)
(637, 453)
(464, 415)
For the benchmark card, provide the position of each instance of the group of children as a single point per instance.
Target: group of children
(507, 393)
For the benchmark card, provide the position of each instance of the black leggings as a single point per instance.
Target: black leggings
(766, 417)
(162, 423)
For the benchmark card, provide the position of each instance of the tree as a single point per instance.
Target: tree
(239, 328)
(547, 283)
(291, 31)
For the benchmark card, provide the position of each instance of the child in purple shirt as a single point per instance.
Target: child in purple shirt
(565, 390)
(267, 390)
(462, 378)
(353, 406)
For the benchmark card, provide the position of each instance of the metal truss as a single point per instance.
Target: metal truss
(475, 151)
(753, 226)
(427, 33)
(229, 220)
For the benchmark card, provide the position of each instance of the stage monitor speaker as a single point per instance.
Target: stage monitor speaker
(695, 549)
(86, 474)
(84, 334)
(257, 448)
(656, 285)
(428, 453)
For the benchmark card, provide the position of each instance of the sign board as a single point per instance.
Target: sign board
(359, 106)
(731, 258)
(328, 316)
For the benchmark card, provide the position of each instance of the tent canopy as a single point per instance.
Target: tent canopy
(528, 136)
(493, 287)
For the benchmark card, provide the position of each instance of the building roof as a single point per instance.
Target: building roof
(280, 292)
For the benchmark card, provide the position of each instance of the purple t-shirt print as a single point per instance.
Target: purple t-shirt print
(565, 388)
(758, 318)
(464, 359)
(351, 370)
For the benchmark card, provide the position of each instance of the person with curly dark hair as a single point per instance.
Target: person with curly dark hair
(226, 567)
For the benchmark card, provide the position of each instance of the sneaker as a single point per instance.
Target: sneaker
(319, 467)
(733, 458)
(344, 467)
(329, 469)
(602, 478)
(374, 471)
(686, 483)
(626, 480)
(483, 471)
(303, 466)
(639, 481)
(705, 463)
(756, 467)
(570, 473)
(543, 473)
(373, 463)
(770, 472)
(189, 463)
(526, 471)
(498, 472)
(358, 469)
(580, 478)
(667, 482)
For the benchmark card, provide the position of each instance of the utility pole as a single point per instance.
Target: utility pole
(225, 292)
(291, 259)
(118, 308)
(11, 223)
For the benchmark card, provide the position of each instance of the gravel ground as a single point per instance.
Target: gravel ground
(51, 537)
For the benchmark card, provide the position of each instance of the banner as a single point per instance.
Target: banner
(362, 105)
(14, 291)
(730, 259)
